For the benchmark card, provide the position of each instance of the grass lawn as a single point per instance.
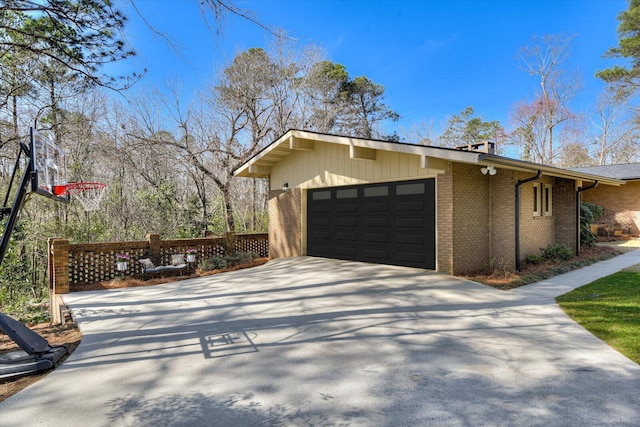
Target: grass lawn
(610, 309)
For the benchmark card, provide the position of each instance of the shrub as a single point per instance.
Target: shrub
(557, 252)
(534, 259)
(499, 267)
(240, 257)
(213, 263)
(218, 262)
(589, 213)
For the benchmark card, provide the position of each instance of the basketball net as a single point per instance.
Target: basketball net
(89, 194)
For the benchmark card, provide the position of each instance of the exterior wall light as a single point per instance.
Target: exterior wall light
(285, 187)
(489, 169)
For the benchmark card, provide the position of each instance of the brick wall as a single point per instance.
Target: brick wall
(444, 221)
(285, 223)
(471, 219)
(503, 206)
(564, 212)
(535, 231)
(617, 199)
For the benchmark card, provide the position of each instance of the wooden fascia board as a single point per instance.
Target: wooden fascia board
(549, 171)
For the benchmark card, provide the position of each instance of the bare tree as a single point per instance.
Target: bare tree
(539, 125)
(614, 132)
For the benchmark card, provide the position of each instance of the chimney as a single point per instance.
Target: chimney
(480, 147)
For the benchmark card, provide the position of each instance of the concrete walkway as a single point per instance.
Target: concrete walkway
(310, 341)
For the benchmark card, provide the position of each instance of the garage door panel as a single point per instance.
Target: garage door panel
(410, 239)
(410, 257)
(322, 250)
(321, 209)
(322, 221)
(376, 254)
(347, 208)
(345, 251)
(376, 207)
(347, 221)
(413, 206)
(416, 222)
(391, 223)
(322, 235)
(382, 222)
(346, 236)
(376, 237)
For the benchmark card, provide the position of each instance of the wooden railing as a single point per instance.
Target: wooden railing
(71, 264)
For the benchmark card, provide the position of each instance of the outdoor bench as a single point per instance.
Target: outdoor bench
(150, 269)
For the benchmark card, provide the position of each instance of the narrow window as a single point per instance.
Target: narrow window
(322, 195)
(349, 193)
(548, 200)
(537, 211)
(376, 191)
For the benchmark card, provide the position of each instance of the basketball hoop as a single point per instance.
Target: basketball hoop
(88, 194)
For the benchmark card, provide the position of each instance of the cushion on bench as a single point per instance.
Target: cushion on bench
(176, 265)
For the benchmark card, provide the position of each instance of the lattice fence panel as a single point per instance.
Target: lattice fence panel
(96, 262)
(256, 243)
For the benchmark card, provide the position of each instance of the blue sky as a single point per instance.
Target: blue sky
(434, 57)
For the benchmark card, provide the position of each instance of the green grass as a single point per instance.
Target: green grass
(610, 309)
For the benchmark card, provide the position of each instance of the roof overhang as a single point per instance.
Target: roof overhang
(260, 165)
(521, 165)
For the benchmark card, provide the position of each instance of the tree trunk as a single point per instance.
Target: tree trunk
(228, 208)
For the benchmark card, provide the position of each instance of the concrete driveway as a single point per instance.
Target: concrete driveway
(310, 341)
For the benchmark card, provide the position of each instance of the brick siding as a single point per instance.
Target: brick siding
(444, 221)
(285, 223)
(503, 206)
(564, 211)
(471, 219)
(617, 199)
(535, 231)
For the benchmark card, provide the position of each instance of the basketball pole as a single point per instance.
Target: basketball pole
(17, 204)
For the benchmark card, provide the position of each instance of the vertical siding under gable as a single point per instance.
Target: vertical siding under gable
(329, 165)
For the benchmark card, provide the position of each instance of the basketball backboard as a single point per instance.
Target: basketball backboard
(49, 168)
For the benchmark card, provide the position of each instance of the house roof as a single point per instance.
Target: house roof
(626, 172)
(259, 166)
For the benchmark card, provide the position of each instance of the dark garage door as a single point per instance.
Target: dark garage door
(390, 223)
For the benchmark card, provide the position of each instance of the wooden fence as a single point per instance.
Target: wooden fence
(71, 264)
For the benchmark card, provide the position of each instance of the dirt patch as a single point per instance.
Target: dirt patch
(70, 335)
(504, 279)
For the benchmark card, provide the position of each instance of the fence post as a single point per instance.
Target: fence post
(154, 243)
(59, 253)
(230, 242)
(58, 278)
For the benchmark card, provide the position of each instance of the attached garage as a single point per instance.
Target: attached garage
(452, 210)
(387, 223)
